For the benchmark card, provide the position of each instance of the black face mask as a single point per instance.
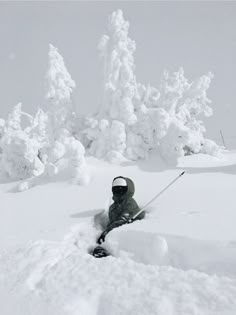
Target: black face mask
(119, 190)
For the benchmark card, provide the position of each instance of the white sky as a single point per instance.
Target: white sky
(200, 36)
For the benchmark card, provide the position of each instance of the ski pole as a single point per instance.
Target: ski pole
(223, 140)
(156, 196)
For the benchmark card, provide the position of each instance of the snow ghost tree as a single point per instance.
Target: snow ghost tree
(60, 87)
(61, 119)
(105, 137)
(184, 102)
(19, 158)
(116, 50)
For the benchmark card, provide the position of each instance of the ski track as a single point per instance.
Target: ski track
(62, 278)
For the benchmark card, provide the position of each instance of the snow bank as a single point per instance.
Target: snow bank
(144, 247)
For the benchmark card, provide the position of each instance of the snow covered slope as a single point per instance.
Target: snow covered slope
(180, 260)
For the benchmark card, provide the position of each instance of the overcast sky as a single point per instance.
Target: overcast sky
(199, 36)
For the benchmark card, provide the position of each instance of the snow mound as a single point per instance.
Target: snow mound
(144, 247)
(150, 248)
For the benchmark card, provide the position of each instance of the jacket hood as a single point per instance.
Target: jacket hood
(131, 188)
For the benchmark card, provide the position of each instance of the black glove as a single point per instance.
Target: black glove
(126, 219)
(101, 238)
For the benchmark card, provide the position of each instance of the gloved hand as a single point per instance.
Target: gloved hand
(101, 238)
(126, 218)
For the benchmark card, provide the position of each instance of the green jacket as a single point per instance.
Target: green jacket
(125, 207)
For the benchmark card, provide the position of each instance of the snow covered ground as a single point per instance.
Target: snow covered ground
(180, 260)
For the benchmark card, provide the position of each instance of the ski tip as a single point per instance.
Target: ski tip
(182, 173)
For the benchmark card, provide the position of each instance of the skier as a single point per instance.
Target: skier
(124, 207)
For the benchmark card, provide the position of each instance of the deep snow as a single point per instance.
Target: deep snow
(180, 260)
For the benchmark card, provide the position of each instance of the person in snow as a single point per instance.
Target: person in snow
(124, 207)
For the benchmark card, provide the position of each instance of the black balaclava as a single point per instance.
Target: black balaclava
(119, 188)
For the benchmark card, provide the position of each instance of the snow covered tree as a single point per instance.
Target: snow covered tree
(60, 87)
(184, 102)
(14, 118)
(105, 139)
(178, 140)
(76, 161)
(19, 158)
(146, 134)
(39, 130)
(148, 96)
(45, 145)
(67, 156)
(210, 147)
(61, 120)
(160, 118)
(39, 125)
(106, 136)
(29, 152)
(168, 118)
(18, 119)
(116, 50)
